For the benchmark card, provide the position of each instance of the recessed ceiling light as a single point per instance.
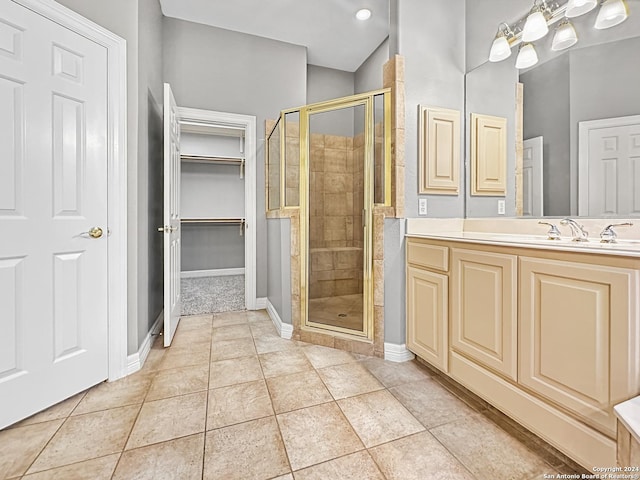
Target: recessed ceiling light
(363, 14)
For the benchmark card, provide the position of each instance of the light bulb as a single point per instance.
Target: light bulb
(612, 13)
(575, 8)
(564, 37)
(527, 56)
(500, 49)
(363, 14)
(535, 27)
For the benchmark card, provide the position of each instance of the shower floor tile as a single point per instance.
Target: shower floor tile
(343, 311)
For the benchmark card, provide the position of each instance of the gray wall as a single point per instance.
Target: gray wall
(326, 84)
(216, 69)
(279, 266)
(368, 76)
(150, 166)
(430, 36)
(547, 114)
(139, 23)
(491, 90)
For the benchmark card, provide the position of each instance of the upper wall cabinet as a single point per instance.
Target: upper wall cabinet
(488, 155)
(439, 151)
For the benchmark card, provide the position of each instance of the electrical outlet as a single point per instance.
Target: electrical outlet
(422, 206)
(500, 207)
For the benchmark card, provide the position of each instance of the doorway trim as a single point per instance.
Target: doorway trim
(116, 167)
(248, 123)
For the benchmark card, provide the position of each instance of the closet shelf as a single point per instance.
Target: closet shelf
(215, 221)
(215, 160)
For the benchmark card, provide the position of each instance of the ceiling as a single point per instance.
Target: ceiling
(328, 28)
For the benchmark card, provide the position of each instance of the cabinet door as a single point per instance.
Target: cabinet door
(427, 316)
(483, 309)
(578, 336)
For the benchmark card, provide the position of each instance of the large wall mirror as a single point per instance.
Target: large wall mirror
(581, 122)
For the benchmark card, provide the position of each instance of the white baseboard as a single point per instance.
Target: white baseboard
(285, 330)
(220, 272)
(261, 303)
(136, 360)
(397, 353)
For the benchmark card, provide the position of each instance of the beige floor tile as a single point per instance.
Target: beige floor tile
(185, 356)
(176, 459)
(273, 343)
(391, 374)
(237, 404)
(321, 357)
(431, 403)
(154, 360)
(127, 391)
(283, 363)
(234, 371)
(288, 476)
(168, 419)
(349, 380)
(59, 410)
(357, 466)
(263, 328)
(179, 381)
(300, 390)
(231, 332)
(87, 436)
(196, 322)
(419, 457)
(248, 451)
(238, 347)
(480, 445)
(20, 446)
(257, 316)
(378, 418)
(188, 337)
(95, 469)
(229, 318)
(317, 434)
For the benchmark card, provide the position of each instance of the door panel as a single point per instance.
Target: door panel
(172, 232)
(483, 309)
(532, 164)
(53, 191)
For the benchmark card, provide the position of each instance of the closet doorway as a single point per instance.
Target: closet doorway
(209, 213)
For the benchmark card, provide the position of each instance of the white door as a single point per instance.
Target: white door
(53, 192)
(609, 168)
(171, 227)
(532, 205)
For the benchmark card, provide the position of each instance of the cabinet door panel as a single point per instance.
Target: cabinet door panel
(484, 323)
(427, 316)
(575, 325)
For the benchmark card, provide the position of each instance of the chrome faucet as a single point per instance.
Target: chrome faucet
(577, 231)
(608, 234)
(553, 233)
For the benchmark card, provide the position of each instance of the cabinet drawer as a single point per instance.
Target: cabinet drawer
(429, 256)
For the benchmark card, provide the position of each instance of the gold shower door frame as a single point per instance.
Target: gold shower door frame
(366, 100)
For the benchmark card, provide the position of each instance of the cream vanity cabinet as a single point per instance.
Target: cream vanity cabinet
(549, 337)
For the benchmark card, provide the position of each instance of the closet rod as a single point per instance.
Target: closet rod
(215, 160)
(216, 221)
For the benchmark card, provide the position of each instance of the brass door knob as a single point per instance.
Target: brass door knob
(95, 232)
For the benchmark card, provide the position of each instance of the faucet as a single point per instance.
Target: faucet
(553, 233)
(608, 235)
(577, 230)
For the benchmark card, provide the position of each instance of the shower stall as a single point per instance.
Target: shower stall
(330, 161)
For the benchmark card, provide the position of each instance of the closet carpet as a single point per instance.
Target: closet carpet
(212, 294)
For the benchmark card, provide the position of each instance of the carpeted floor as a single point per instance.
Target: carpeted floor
(212, 294)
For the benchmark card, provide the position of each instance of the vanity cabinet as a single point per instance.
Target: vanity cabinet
(577, 345)
(551, 338)
(484, 309)
(428, 303)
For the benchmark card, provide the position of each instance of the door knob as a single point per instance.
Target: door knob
(167, 229)
(95, 232)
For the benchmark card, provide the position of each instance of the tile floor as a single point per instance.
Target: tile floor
(232, 400)
(343, 311)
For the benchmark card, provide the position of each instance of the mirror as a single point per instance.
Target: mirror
(595, 81)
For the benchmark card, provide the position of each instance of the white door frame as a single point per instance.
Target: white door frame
(537, 145)
(117, 170)
(584, 129)
(248, 123)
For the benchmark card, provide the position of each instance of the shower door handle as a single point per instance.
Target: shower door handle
(364, 218)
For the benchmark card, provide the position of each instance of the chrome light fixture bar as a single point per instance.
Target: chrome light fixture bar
(542, 15)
